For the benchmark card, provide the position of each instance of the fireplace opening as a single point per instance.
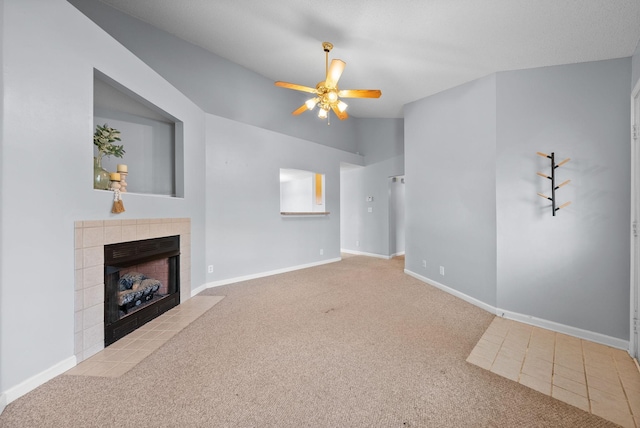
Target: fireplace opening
(142, 281)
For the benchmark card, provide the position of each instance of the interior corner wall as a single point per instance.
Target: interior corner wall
(450, 170)
(572, 268)
(246, 233)
(49, 52)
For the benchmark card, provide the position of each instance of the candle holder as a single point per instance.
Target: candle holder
(122, 169)
(123, 182)
(115, 181)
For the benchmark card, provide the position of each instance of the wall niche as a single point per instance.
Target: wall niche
(152, 139)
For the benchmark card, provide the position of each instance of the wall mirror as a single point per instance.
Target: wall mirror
(302, 192)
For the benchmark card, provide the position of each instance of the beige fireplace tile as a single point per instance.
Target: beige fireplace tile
(183, 228)
(78, 258)
(129, 222)
(93, 256)
(93, 338)
(167, 220)
(78, 324)
(79, 284)
(155, 220)
(79, 300)
(112, 234)
(78, 343)
(142, 221)
(128, 232)
(142, 231)
(93, 296)
(77, 238)
(111, 223)
(78, 224)
(92, 276)
(92, 236)
(93, 315)
(157, 230)
(93, 223)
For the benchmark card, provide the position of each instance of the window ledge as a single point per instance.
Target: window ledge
(305, 213)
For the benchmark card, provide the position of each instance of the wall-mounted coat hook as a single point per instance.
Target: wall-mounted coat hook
(552, 177)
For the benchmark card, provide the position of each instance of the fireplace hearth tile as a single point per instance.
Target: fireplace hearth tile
(123, 355)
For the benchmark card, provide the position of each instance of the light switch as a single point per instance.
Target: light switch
(370, 209)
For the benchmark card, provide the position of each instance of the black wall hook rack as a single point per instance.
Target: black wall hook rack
(552, 177)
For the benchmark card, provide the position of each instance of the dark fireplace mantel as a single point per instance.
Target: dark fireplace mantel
(120, 321)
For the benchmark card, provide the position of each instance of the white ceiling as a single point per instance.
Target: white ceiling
(407, 48)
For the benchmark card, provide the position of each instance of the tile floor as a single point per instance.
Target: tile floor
(121, 356)
(596, 378)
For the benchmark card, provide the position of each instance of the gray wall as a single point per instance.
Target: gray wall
(572, 268)
(450, 163)
(471, 188)
(635, 60)
(217, 85)
(381, 142)
(47, 150)
(245, 232)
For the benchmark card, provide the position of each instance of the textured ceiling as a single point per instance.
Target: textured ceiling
(407, 48)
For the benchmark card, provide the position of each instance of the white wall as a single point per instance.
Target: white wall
(49, 53)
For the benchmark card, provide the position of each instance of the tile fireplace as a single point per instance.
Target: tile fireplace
(91, 237)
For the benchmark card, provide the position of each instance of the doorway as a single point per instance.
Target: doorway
(396, 216)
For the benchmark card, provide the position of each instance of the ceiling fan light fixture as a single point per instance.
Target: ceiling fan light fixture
(327, 95)
(311, 103)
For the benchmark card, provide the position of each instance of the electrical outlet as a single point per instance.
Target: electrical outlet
(442, 270)
(370, 209)
(210, 269)
(424, 263)
(357, 243)
(321, 251)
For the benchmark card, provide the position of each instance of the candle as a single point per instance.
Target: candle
(115, 176)
(121, 168)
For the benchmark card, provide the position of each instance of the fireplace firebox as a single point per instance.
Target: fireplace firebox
(142, 281)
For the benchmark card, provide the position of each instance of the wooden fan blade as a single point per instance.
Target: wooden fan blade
(300, 109)
(333, 74)
(296, 87)
(341, 115)
(360, 93)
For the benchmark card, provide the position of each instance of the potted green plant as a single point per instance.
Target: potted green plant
(104, 139)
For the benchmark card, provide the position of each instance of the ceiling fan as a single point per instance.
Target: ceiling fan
(327, 95)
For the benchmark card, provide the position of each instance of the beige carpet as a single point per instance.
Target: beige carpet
(351, 344)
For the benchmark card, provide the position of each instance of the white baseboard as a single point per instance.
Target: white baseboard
(401, 253)
(362, 253)
(3, 402)
(460, 295)
(35, 381)
(261, 275)
(591, 336)
(198, 290)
